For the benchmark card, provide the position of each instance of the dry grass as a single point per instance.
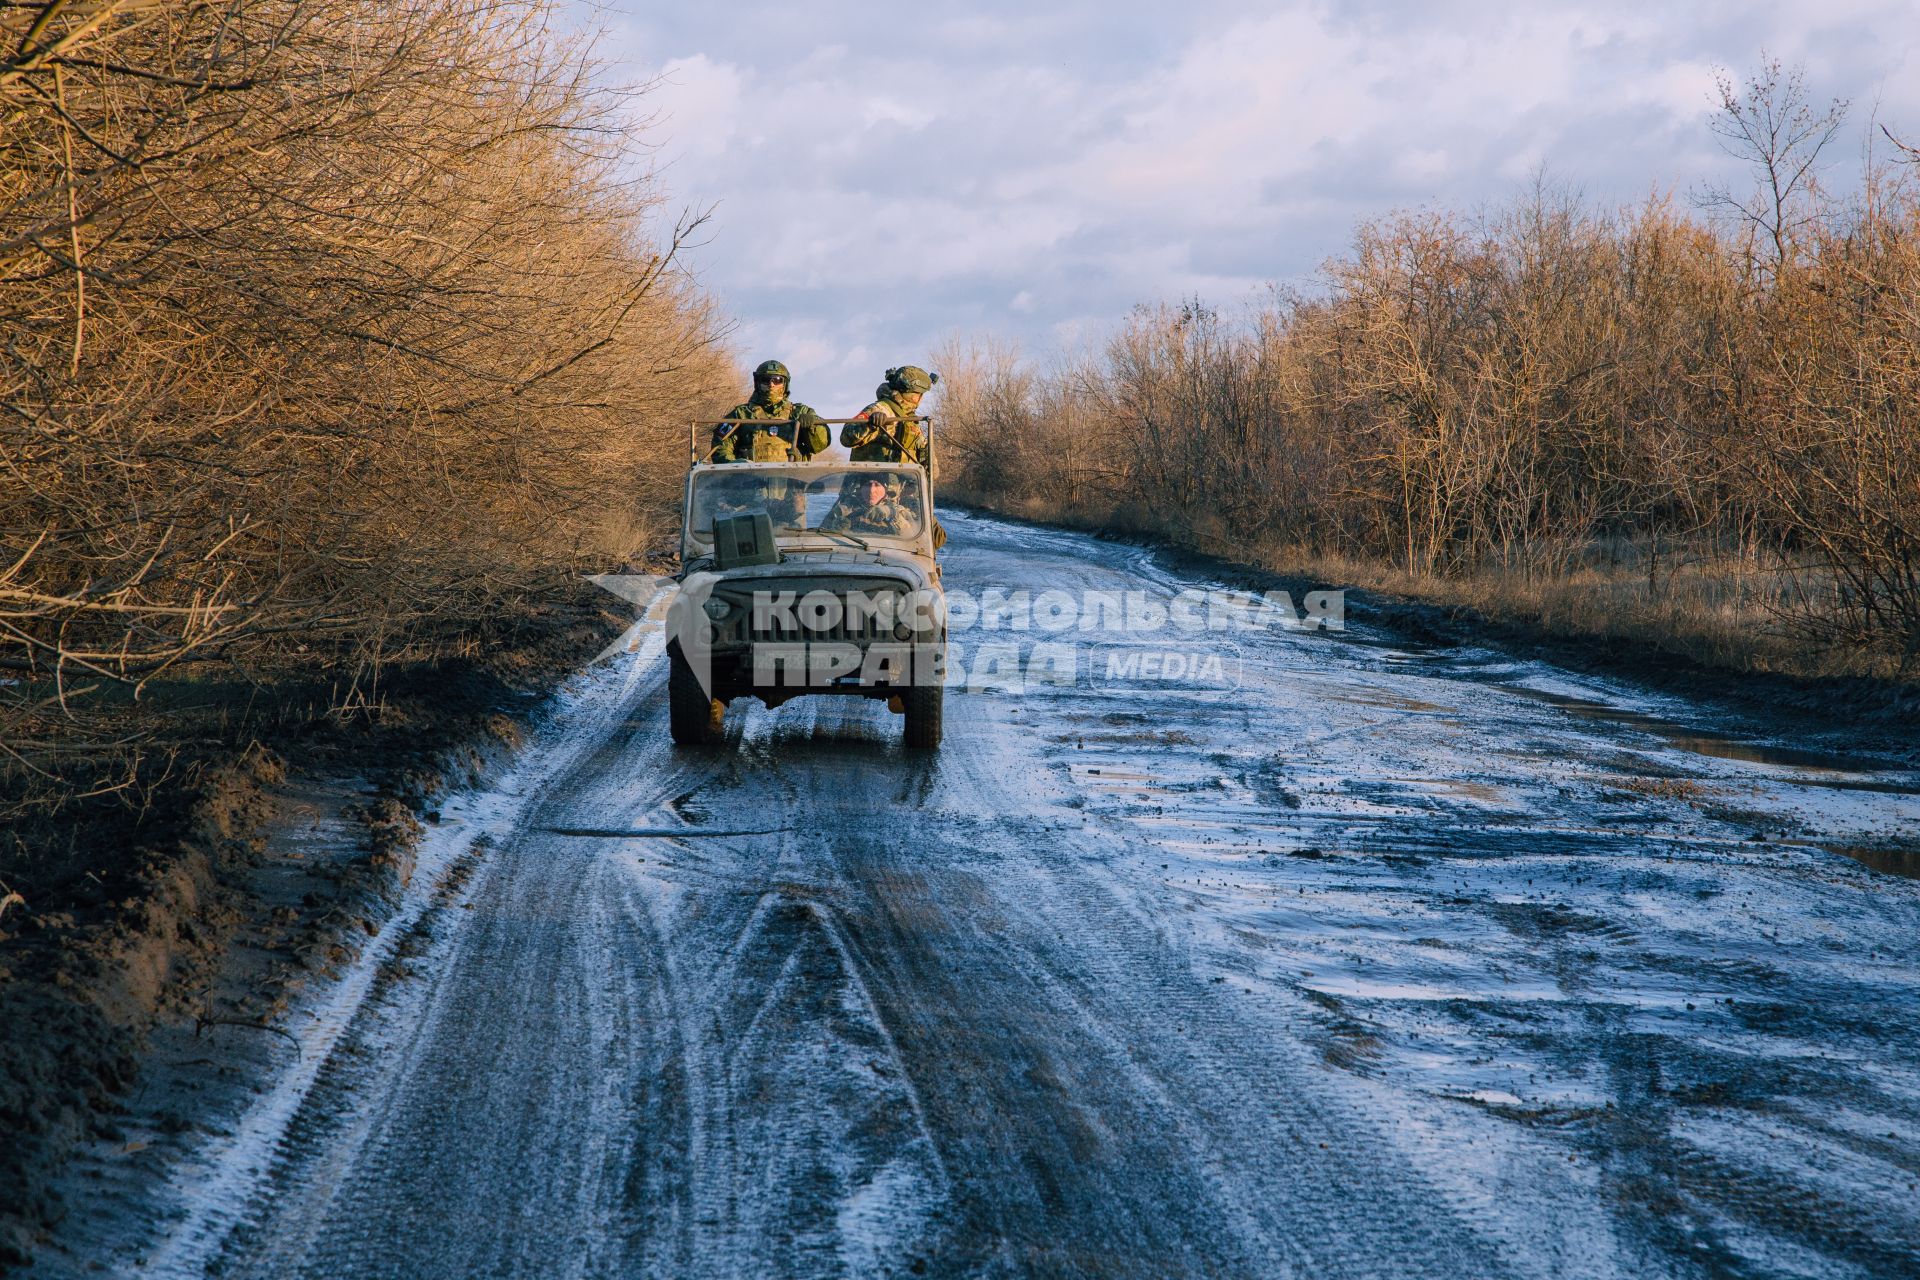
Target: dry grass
(1720, 612)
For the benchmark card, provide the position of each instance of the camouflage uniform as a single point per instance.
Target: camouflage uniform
(884, 433)
(785, 441)
(886, 517)
(774, 443)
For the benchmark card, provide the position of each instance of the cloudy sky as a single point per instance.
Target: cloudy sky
(883, 176)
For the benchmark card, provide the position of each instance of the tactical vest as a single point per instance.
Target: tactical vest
(882, 448)
(771, 443)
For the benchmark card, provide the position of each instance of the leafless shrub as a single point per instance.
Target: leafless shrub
(1530, 392)
(325, 325)
(1835, 422)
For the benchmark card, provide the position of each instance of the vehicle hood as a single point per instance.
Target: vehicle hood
(805, 570)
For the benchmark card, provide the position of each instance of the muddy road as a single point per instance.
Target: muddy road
(1388, 962)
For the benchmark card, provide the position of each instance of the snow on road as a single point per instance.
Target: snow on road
(1384, 962)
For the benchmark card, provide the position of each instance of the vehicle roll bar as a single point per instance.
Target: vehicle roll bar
(695, 457)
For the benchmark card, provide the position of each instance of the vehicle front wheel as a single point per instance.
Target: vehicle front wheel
(694, 719)
(924, 706)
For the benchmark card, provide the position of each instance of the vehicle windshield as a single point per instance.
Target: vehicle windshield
(854, 505)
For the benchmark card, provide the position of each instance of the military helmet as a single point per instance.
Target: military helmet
(772, 369)
(911, 377)
(858, 480)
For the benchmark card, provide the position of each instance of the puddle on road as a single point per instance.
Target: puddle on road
(1110, 774)
(658, 833)
(1404, 657)
(1389, 700)
(1854, 774)
(1427, 984)
(1111, 778)
(1894, 862)
(1485, 792)
(1232, 826)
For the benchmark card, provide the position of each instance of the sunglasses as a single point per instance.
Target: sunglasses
(769, 377)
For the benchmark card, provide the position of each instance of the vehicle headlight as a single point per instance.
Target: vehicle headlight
(716, 608)
(901, 631)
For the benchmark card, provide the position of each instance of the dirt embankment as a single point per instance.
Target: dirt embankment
(1861, 713)
(166, 907)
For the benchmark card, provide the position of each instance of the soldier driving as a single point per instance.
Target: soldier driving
(866, 506)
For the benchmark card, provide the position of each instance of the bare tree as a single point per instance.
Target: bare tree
(1773, 126)
(1908, 152)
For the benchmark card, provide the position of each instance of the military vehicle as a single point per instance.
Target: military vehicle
(806, 578)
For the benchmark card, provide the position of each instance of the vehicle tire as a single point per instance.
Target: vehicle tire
(694, 719)
(925, 704)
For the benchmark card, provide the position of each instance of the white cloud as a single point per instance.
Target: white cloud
(698, 105)
(882, 182)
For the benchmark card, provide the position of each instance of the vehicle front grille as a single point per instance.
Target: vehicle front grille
(868, 628)
(788, 623)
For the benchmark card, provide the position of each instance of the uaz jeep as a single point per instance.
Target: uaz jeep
(807, 578)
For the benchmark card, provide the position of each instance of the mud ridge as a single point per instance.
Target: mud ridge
(158, 951)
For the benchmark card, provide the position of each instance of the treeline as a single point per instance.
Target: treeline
(1527, 392)
(324, 328)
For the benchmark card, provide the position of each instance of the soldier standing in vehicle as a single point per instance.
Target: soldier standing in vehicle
(884, 430)
(793, 432)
